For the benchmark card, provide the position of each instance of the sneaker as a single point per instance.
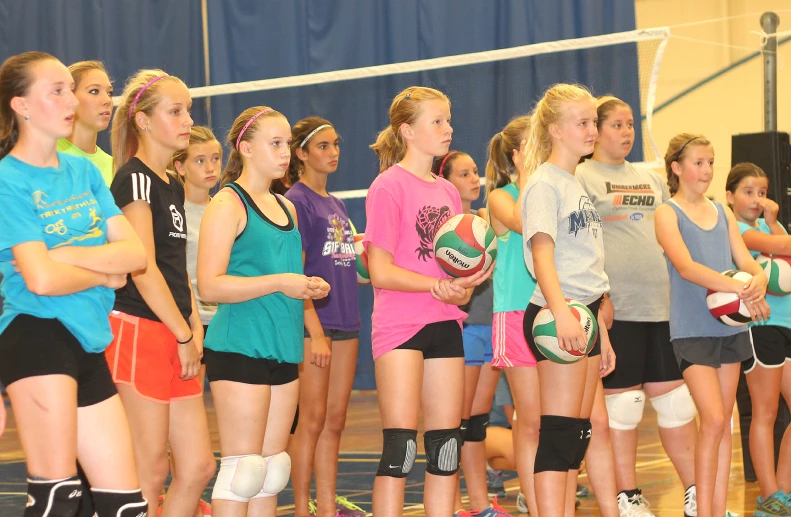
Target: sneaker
(347, 508)
(205, 508)
(494, 510)
(582, 491)
(691, 502)
(463, 513)
(494, 482)
(631, 503)
(776, 505)
(312, 507)
(521, 503)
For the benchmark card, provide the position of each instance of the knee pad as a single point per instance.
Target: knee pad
(625, 410)
(398, 452)
(585, 440)
(119, 503)
(278, 470)
(675, 408)
(443, 451)
(476, 428)
(558, 443)
(465, 424)
(240, 478)
(47, 497)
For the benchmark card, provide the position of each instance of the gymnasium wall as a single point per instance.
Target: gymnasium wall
(731, 99)
(250, 40)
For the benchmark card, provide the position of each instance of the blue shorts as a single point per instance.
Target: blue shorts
(477, 345)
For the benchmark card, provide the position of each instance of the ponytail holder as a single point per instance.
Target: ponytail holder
(140, 92)
(310, 135)
(442, 165)
(252, 119)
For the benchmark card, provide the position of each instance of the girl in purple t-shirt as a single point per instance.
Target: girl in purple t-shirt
(417, 339)
(332, 324)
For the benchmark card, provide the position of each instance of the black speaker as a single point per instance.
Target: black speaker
(771, 151)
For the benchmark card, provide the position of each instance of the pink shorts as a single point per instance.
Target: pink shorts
(509, 347)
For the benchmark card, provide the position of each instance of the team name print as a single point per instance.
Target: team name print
(585, 218)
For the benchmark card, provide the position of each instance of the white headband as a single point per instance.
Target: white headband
(310, 135)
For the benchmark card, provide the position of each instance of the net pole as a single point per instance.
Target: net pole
(769, 23)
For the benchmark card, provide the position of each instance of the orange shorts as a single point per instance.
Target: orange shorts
(144, 355)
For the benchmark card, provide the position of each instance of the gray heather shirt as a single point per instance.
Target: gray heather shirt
(556, 204)
(194, 215)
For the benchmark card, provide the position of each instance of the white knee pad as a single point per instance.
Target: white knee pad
(240, 478)
(625, 409)
(278, 470)
(675, 408)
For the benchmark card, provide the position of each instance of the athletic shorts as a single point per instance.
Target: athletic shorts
(527, 328)
(230, 366)
(477, 344)
(31, 346)
(338, 335)
(509, 347)
(440, 340)
(771, 347)
(712, 351)
(644, 354)
(144, 355)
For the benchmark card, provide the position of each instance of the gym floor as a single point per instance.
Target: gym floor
(360, 449)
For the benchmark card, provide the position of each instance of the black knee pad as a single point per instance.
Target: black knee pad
(443, 451)
(465, 424)
(585, 439)
(476, 429)
(46, 497)
(558, 443)
(119, 503)
(398, 452)
(85, 508)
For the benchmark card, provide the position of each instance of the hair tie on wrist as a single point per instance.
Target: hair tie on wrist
(187, 341)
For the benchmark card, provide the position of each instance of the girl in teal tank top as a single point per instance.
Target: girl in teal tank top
(250, 263)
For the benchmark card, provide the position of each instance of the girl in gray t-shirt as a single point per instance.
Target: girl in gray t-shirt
(564, 251)
(701, 239)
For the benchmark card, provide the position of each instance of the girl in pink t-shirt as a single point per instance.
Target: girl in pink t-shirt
(417, 339)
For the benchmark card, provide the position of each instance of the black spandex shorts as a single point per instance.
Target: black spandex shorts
(527, 326)
(644, 354)
(229, 366)
(437, 340)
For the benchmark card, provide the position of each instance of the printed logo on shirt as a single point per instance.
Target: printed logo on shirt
(585, 218)
(629, 196)
(178, 223)
(54, 216)
(340, 241)
(429, 219)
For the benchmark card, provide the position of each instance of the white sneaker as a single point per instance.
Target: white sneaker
(521, 503)
(634, 506)
(691, 502)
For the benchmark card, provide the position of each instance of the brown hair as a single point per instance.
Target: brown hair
(549, 110)
(607, 103)
(198, 135)
(501, 152)
(676, 152)
(405, 108)
(443, 165)
(299, 133)
(739, 172)
(233, 169)
(125, 134)
(80, 68)
(15, 81)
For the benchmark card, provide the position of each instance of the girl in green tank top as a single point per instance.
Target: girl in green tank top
(250, 263)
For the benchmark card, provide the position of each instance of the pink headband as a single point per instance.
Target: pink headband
(140, 92)
(239, 138)
(442, 165)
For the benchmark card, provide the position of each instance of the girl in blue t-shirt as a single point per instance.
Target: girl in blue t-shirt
(64, 247)
(768, 370)
(332, 325)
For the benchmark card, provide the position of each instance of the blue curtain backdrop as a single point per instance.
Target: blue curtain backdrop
(253, 39)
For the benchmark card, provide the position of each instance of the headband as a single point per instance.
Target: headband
(605, 99)
(310, 135)
(252, 119)
(140, 92)
(678, 154)
(442, 165)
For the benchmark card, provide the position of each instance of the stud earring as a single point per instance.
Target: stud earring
(27, 117)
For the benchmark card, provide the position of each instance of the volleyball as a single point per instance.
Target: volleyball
(778, 271)
(464, 245)
(546, 339)
(363, 278)
(727, 307)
